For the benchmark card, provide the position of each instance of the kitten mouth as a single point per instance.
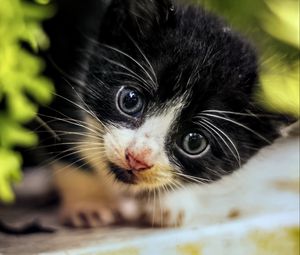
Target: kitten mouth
(123, 175)
(144, 179)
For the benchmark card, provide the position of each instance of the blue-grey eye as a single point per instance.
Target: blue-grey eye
(130, 101)
(194, 143)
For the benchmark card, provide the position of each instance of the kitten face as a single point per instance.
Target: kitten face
(172, 86)
(138, 155)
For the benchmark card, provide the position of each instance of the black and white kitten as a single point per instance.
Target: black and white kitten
(163, 98)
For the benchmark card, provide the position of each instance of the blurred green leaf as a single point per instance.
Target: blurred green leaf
(9, 173)
(283, 23)
(280, 93)
(280, 89)
(20, 76)
(12, 133)
(274, 27)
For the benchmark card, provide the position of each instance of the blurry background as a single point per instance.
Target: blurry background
(272, 25)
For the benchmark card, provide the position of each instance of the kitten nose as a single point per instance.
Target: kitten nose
(136, 162)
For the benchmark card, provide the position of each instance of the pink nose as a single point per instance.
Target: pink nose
(136, 162)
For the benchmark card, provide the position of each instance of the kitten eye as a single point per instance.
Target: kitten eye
(130, 101)
(194, 143)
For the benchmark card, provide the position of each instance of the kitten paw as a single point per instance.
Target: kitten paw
(164, 217)
(87, 215)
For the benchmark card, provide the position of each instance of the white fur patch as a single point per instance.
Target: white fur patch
(149, 138)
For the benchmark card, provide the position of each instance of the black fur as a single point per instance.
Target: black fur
(192, 52)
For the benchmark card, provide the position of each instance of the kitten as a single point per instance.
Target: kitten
(161, 98)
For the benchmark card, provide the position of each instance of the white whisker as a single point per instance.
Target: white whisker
(213, 127)
(134, 60)
(250, 114)
(143, 81)
(146, 59)
(238, 124)
(72, 123)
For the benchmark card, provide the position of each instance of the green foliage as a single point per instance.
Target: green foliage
(280, 88)
(273, 26)
(283, 21)
(20, 75)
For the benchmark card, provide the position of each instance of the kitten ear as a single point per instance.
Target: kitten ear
(136, 17)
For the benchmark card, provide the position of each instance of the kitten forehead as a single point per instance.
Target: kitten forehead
(161, 122)
(170, 109)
